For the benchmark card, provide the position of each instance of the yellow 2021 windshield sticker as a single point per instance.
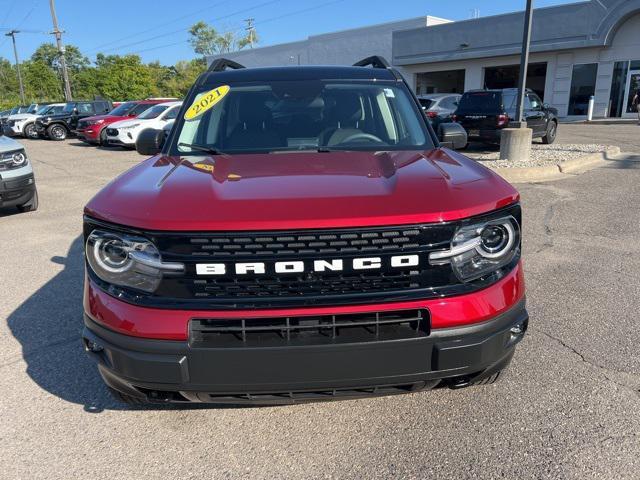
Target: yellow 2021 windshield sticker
(206, 101)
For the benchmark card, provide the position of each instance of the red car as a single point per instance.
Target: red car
(301, 234)
(92, 129)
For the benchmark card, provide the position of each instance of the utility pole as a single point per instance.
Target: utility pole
(251, 31)
(63, 63)
(12, 34)
(524, 63)
(515, 141)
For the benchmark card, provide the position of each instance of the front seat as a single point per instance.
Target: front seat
(254, 131)
(345, 117)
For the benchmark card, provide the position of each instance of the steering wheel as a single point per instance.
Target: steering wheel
(362, 136)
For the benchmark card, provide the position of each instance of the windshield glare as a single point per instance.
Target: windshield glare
(69, 107)
(152, 112)
(308, 115)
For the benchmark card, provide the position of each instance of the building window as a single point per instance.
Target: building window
(583, 86)
(618, 84)
(507, 76)
(449, 81)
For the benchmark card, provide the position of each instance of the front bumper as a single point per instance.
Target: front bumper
(15, 129)
(16, 190)
(176, 371)
(89, 134)
(124, 138)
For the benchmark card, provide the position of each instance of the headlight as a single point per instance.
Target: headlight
(481, 249)
(129, 127)
(14, 159)
(127, 261)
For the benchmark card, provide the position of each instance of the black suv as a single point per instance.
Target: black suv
(484, 113)
(58, 127)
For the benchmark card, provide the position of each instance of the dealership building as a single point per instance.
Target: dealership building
(577, 50)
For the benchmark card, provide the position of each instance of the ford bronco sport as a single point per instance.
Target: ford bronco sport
(300, 235)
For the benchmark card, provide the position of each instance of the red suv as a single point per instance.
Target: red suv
(92, 129)
(301, 234)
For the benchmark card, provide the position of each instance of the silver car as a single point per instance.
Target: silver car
(439, 105)
(17, 183)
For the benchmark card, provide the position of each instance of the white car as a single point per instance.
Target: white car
(17, 184)
(23, 124)
(125, 132)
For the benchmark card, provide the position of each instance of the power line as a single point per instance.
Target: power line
(164, 34)
(272, 19)
(155, 27)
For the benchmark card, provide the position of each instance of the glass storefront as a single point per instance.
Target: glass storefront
(583, 86)
(618, 85)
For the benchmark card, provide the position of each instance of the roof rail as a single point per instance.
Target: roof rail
(375, 61)
(221, 64)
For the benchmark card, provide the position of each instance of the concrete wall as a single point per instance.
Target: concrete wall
(572, 26)
(337, 48)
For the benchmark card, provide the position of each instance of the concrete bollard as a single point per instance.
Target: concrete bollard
(515, 144)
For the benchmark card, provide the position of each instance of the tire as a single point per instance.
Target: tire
(31, 205)
(103, 138)
(30, 131)
(552, 132)
(124, 398)
(57, 132)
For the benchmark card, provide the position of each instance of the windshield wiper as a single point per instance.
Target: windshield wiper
(201, 148)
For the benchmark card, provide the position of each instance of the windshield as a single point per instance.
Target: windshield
(152, 112)
(33, 108)
(43, 110)
(123, 109)
(485, 102)
(306, 115)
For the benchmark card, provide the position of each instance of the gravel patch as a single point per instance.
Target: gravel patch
(541, 155)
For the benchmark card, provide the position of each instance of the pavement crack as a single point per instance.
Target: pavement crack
(605, 371)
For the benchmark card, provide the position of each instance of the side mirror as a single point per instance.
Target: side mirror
(452, 135)
(150, 141)
(131, 115)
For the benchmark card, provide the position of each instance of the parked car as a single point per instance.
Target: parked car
(125, 132)
(17, 183)
(301, 235)
(439, 104)
(24, 124)
(484, 113)
(15, 110)
(93, 130)
(59, 126)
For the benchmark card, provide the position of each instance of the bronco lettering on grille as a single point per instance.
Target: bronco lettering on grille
(299, 266)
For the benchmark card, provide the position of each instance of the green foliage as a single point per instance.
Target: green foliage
(116, 77)
(206, 40)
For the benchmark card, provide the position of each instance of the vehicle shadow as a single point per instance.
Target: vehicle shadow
(48, 326)
(78, 143)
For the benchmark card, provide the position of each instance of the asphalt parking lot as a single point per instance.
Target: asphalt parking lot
(568, 407)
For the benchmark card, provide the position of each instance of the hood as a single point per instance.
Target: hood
(300, 190)
(22, 116)
(7, 144)
(105, 118)
(129, 121)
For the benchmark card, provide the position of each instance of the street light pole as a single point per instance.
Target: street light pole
(524, 63)
(12, 34)
(63, 63)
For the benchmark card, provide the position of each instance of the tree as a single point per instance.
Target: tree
(206, 40)
(40, 81)
(47, 53)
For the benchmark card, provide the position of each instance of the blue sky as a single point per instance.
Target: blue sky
(157, 29)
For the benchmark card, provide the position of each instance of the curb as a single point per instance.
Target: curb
(559, 170)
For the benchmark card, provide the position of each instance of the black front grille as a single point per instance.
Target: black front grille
(309, 286)
(247, 245)
(309, 330)
(112, 132)
(82, 125)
